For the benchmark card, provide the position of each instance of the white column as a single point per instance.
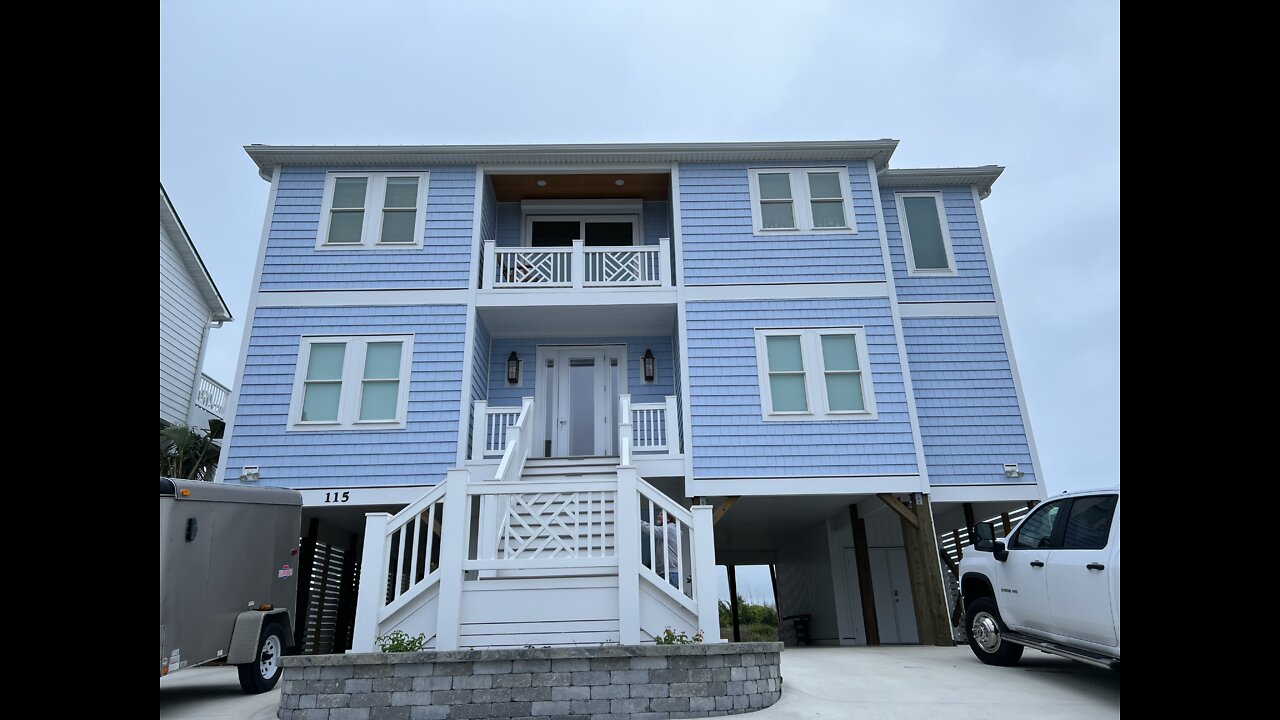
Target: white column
(624, 429)
(373, 582)
(664, 262)
(479, 429)
(578, 263)
(627, 526)
(671, 426)
(452, 548)
(704, 573)
(490, 269)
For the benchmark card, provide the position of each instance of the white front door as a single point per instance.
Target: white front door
(580, 395)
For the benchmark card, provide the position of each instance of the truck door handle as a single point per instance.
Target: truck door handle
(1096, 566)
(1036, 563)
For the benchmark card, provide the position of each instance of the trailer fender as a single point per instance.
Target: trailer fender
(248, 629)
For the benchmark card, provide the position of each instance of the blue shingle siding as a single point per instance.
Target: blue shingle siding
(656, 221)
(416, 455)
(970, 422)
(719, 247)
(293, 263)
(480, 363)
(730, 439)
(488, 213)
(973, 281)
(508, 227)
(503, 395)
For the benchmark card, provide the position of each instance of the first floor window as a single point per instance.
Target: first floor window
(351, 383)
(814, 374)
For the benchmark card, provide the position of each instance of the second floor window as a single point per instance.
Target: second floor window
(351, 383)
(376, 210)
(925, 235)
(814, 374)
(801, 200)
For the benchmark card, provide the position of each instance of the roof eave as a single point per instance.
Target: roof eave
(208, 289)
(269, 156)
(983, 176)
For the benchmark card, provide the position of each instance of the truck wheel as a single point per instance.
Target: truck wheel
(986, 630)
(262, 674)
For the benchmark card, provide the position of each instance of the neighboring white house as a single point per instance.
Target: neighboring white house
(190, 305)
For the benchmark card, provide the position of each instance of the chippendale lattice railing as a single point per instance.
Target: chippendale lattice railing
(577, 266)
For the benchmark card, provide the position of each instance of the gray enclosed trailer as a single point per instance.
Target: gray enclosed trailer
(228, 577)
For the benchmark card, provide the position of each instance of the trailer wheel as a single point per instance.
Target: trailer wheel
(263, 673)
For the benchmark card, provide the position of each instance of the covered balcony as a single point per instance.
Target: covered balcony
(545, 231)
(582, 372)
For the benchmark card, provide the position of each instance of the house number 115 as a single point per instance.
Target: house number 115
(337, 497)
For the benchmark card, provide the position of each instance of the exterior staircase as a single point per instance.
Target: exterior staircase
(538, 552)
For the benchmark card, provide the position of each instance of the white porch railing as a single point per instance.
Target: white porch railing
(561, 525)
(519, 439)
(212, 395)
(648, 427)
(489, 429)
(577, 266)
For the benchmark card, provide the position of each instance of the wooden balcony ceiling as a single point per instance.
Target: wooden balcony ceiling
(646, 186)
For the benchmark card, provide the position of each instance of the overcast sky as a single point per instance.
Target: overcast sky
(1032, 86)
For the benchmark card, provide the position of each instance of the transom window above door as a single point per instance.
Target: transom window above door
(593, 230)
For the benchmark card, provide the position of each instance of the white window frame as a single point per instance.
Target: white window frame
(352, 383)
(375, 196)
(814, 375)
(802, 210)
(905, 231)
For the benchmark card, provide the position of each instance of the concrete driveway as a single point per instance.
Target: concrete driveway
(213, 693)
(931, 682)
(893, 683)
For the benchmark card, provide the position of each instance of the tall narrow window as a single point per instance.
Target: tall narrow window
(825, 200)
(786, 374)
(842, 373)
(777, 211)
(322, 389)
(924, 234)
(400, 210)
(346, 216)
(381, 385)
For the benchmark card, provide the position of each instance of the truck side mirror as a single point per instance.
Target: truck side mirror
(984, 540)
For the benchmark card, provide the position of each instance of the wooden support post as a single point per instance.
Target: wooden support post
(951, 564)
(723, 508)
(306, 560)
(927, 592)
(733, 601)
(773, 578)
(1008, 526)
(866, 594)
(907, 514)
(969, 520)
(1031, 504)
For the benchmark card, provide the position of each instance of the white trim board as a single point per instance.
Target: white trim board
(576, 297)
(810, 485)
(985, 493)
(948, 309)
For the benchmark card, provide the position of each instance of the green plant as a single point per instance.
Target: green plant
(187, 453)
(400, 641)
(669, 637)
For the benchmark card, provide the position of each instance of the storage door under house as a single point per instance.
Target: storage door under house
(326, 603)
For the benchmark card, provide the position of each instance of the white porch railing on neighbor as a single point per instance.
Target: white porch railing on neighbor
(212, 395)
(489, 429)
(577, 266)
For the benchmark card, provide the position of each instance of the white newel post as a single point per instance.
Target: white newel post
(373, 581)
(479, 429)
(671, 426)
(704, 573)
(578, 263)
(452, 547)
(624, 429)
(628, 539)
(664, 261)
(490, 269)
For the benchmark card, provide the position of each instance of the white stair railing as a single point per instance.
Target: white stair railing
(489, 429)
(545, 527)
(519, 440)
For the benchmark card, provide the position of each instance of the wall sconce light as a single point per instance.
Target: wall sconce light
(1011, 470)
(650, 365)
(250, 474)
(513, 369)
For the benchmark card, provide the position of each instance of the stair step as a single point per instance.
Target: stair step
(571, 462)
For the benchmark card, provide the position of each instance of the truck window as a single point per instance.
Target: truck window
(1037, 531)
(1089, 523)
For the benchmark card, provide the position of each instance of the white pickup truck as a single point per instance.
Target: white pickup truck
(1053, 584)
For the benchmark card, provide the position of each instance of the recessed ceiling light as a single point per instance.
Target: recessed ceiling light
(619, 182)
(542, 183)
